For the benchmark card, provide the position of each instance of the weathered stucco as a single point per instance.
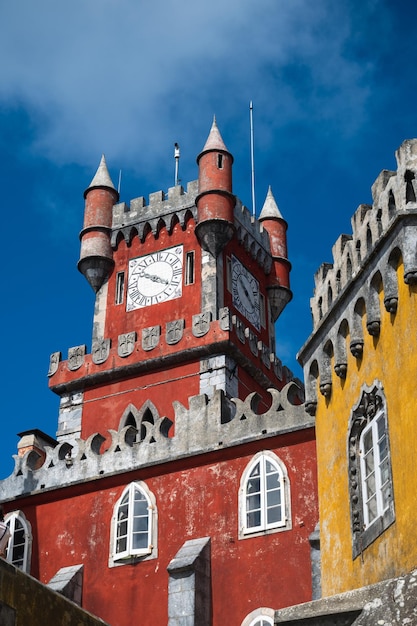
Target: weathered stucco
(365, 334)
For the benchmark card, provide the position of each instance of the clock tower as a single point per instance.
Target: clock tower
(183, 467)
(188, 288)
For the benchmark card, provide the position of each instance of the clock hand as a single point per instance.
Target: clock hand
(244, 289)
(155, 279)
(246, 292)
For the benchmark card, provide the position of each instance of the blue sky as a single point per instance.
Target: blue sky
(334, 88)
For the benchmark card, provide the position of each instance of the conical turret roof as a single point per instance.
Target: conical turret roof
(270, 208)
(101, 177)
(214, 140)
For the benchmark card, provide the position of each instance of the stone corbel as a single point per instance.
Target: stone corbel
(391, 304)
(326, 389)
(341, 370)
(374, 328)
(310, 407)
(356, 348)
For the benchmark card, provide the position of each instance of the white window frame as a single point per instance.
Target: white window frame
(126, 501)
(260, 617)
(262, 621)
(375, 473)
(284, 523)
(12, 520)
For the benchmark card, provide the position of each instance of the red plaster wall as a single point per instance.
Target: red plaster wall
(193, 501)
(118, 320)
(104, 406)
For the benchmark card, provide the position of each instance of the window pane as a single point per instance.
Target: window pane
(274, 497)
(141, 508)
(372, 509)
(253, 502)
(121, 545)
(140, 524)
(274, 515)
(370, 486)
(18, 553)
(123, 512)
(384, 471)
(122, 528)
(253, 519)
(369, 463)
(140, 541)
(254, 485)
(386, 496)
(367, 441)
(272, 481)
(256, 470)
(381, 426)
(383, 448)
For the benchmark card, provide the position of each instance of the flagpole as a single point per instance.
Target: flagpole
(252, 158)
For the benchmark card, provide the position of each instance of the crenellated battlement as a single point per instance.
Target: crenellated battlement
(252, 236)
(358, 295)
(394, 194)
(163, 209)
(207, 425)
(177, 206)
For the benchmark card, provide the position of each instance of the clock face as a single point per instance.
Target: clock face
(245, 293)
(155, 278)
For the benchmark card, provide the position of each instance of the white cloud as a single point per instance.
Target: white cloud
(119, 75)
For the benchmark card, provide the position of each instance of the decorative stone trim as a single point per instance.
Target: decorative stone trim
(174, 331)
(206, 425)
(76, 357)
(100, 351)
(201, 324)
(126, 344)
(54, 363)
(150, 337)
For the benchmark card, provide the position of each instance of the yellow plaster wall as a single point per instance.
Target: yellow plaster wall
(392, 359)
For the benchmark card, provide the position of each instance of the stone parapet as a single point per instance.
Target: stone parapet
(139, 218)
(207, 425)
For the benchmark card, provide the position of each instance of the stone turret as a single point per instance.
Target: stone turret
(215, 200)
(279, 293)
(96, 257)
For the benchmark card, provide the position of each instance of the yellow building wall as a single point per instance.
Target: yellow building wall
(390, 358)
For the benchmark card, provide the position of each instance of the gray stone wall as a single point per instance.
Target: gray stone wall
(24, 601)
(387, 603)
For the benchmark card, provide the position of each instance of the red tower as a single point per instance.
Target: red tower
(184, 464)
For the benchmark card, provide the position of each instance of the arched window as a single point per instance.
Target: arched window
(259, 617)
(18, 550)
(134, 524)
(371, 497)
(264, 495)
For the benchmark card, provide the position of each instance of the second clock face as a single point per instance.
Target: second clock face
(245, 293)
(155, 278)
